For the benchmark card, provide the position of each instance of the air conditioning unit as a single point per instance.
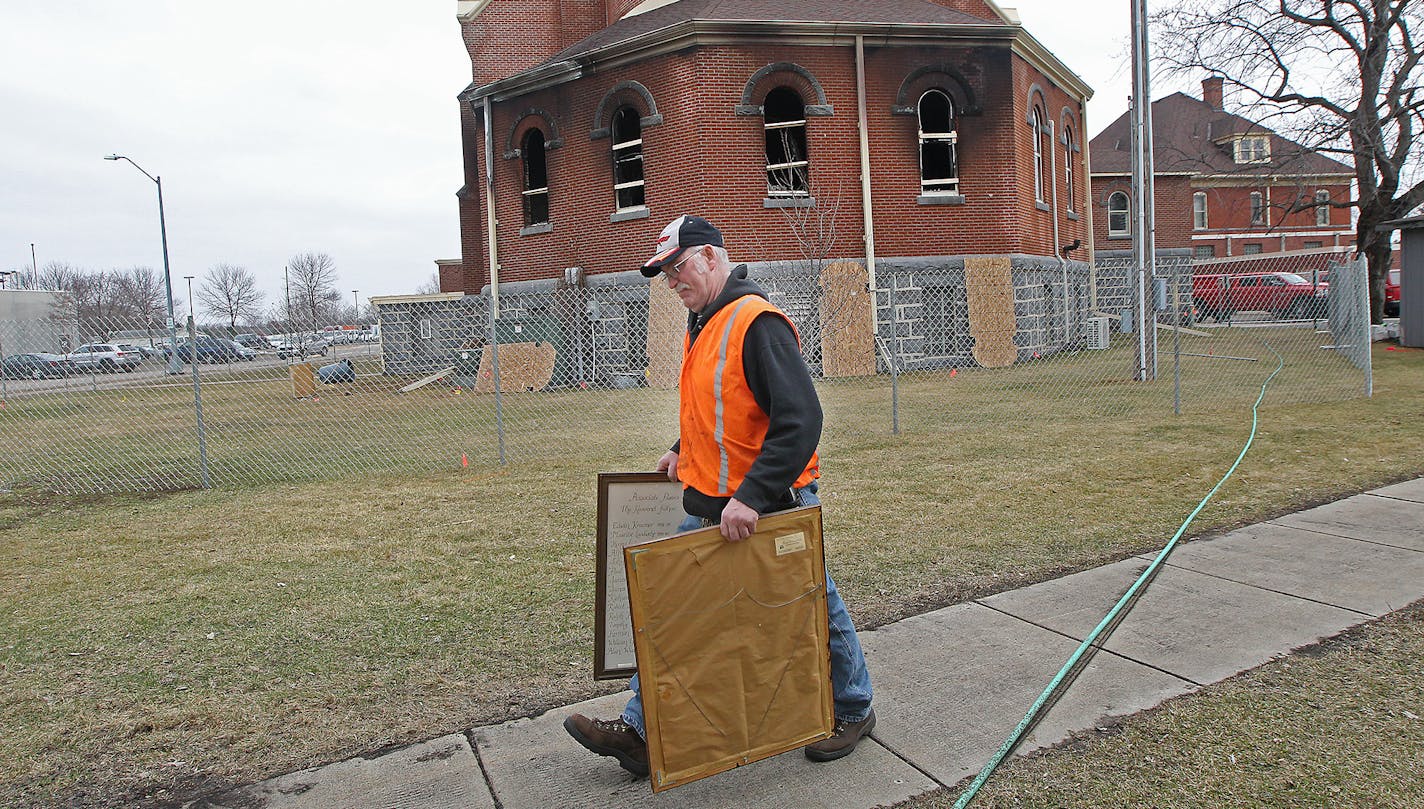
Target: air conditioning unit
(1099, 333)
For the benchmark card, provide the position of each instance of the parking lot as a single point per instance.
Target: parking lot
(153, 373)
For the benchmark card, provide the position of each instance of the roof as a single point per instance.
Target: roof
(1189, 135)
(898, 12)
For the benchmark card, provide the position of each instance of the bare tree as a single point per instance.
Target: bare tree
(231, 293)
(313, 286)
(1342, 74)
(58, 275)
(139, 295)
(429, 286)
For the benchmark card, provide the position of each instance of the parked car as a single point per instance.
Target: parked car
(1391, 294)
(303, 345)
(208, 349)
(143, 351)
(36, 366)
(105, 357)
(254, 341)
(244, 352)
(1283, 294)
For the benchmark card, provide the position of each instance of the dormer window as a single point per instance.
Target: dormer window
(1253, 149)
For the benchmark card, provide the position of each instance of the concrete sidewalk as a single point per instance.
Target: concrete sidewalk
(951, 684)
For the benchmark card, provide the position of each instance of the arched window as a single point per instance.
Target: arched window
(787, 167)
(1068, 164)
(536, 178)
(627, 133)
(1117, 214)
(939, 140)
(1036, 120)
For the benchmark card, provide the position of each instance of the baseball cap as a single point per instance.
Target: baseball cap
(681, 233)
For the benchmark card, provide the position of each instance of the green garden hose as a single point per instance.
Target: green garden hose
(1100, 634)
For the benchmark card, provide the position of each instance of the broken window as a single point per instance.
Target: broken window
(1068, 163)
(1117, 214)
(787, 169)
(628, 158)
(939, 155)
(536, 179)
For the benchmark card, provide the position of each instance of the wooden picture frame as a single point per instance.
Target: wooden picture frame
(703, 607)
(633, 507)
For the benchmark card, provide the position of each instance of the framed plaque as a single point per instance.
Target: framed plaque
(633, 507)
(732, 645)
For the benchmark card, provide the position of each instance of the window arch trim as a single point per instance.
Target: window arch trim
(942, 77)
(552, 140)
(1124, 212)
(624, 94)
(804, 77)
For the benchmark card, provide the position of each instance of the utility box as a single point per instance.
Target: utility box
(303, 380)
(1099, 333)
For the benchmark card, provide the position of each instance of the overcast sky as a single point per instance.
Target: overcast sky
(284, 127)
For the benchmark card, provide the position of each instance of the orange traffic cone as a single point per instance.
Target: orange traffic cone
(464, 460)
(953, 372)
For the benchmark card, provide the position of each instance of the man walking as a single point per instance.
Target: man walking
(749, 422)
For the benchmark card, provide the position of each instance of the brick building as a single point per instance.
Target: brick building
(1225, 186)
(589, 124)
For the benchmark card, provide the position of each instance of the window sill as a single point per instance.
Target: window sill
(640, 212)
(1042, 206)
(1119, 236)
(1072, 217)
(789, 202)
(542, 227)
(940, 199)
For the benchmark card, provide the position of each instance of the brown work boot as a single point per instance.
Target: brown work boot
(843, 741)
(616, 738)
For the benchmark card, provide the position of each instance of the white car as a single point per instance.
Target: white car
(105, 357)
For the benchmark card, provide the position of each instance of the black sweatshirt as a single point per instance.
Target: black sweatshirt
(781, 385)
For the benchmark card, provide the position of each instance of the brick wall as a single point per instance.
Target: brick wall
(704, 157)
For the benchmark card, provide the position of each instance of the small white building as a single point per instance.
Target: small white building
(36, 320)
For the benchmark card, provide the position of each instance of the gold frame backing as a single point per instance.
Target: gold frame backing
(732, 645)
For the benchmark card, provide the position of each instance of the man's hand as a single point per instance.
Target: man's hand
(738, 520)
(668, 464)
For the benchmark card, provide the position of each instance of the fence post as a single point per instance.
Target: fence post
(498, 394)
(894, 359)
(1362, 279)
(197, 403)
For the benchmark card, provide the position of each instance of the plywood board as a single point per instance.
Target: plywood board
(633, 508)
(847, 321)
(731, 640)
(522, 367)
(989, 288)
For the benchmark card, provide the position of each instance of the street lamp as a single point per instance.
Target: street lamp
(356, 302)
(175, 365)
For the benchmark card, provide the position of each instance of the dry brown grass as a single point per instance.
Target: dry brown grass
(153, 646)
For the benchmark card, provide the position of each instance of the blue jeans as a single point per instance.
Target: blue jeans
(850, 681)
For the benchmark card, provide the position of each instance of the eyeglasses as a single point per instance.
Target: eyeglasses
(676, 269)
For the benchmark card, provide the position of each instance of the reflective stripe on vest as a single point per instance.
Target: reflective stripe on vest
(722, 426)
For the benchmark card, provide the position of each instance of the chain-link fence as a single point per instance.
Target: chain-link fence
(438, 382)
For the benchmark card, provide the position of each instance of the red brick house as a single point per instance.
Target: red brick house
(589, 124)
(1225, 186)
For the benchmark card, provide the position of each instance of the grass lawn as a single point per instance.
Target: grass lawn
(164, 645)
(1338, 725)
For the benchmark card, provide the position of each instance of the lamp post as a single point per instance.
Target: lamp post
(356, 302)
(191, 313)
(175, 365)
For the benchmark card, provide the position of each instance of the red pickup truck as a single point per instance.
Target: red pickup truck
(1391, 294)
(1283, 294)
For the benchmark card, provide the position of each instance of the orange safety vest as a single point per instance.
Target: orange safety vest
(722, 426)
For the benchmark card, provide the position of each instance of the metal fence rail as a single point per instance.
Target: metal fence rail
(595, 361)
